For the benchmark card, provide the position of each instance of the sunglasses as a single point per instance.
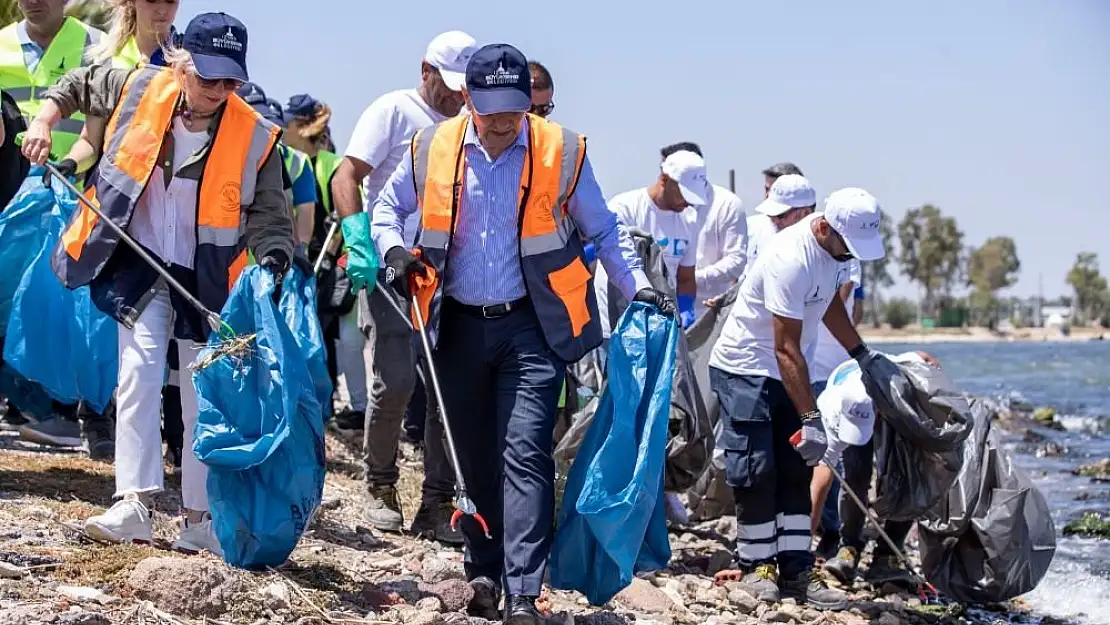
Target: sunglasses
(543, 110)
(228, 84)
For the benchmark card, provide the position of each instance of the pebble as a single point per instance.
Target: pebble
(743, 601)
(83, 593)
(276, 596)
(774, 616)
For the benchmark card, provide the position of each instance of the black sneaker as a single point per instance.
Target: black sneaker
(826, 547)
(54, 432)
(433, 520)
(810, 587)
(350, 420)
(13, 419)
(99, 432)
(887, 570)
(487, 597)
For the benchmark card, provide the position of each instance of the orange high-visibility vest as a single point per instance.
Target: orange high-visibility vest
(552, 259)
(132, 143)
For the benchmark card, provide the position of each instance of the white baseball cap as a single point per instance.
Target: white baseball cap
(449, 52)
(854, 214)
(846, 409)
(787, 193)
(687, 169)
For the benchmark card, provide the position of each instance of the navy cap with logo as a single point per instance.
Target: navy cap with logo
(268, 108)
(218, 44)
(498, 80)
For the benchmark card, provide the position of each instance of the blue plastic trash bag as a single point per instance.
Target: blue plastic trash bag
(57, 337)
(23, 227)
(260, 431)
(298, 307)
(612, 523)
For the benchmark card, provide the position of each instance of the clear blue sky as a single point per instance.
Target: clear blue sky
(996, 111)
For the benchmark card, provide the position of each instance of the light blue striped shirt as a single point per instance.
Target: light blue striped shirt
(484, 258)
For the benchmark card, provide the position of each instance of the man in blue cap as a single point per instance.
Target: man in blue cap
(511, 309)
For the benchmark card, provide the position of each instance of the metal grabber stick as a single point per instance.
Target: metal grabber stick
(922, 582)
(463, 503)
(213, 319)
(324, 249)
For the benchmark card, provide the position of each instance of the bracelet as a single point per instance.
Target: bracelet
(812, 414)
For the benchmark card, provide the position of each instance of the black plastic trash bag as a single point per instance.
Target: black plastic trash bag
(992, 538)
(919, 435)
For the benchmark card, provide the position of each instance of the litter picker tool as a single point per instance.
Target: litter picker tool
(233, 344)
(324, 249)
(923, 583)
(463, 503)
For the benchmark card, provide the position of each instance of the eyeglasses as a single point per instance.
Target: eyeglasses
(228, 84)
(543, 110)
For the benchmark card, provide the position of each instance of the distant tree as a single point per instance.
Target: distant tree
(899, 312)
(1089, 286)
(876, 273)
(931, 251)
(990, 268)
(95, 13)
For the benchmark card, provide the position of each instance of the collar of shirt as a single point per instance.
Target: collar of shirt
(471, 138)
(32, 52)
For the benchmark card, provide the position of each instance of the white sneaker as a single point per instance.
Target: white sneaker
(126, 521)
(197, 537)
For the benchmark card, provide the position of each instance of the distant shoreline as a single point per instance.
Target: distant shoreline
(915, 334)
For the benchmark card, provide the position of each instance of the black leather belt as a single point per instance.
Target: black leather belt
(492, 311)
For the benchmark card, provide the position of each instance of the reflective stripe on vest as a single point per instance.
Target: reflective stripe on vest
(134, 138)
(69, 50)
(558, 282)
(327, 163)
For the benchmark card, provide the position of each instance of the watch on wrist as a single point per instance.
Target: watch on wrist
(812, 414)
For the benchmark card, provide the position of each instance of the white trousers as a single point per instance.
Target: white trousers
(142, 369)
(350, 359)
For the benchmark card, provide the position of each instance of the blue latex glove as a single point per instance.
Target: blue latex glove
(686, 310)
(591, 253)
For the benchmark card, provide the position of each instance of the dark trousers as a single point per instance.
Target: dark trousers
(331, 337)
(859, 464)
(830, 512)
(769, 479)
(417, 411)
(501, 385)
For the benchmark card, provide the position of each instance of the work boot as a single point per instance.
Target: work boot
(99, 433)
(521, 610)
(55, 432)
(887, 570)
(433, 520)
(384, 509)
(810, 587)
(487, 597)
(843, 566)
(762, 583)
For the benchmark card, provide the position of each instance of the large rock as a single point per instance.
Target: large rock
(192, 587)
(454, 593)
(641, 596)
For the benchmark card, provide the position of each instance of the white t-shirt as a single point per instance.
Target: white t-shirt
(760, 230)
(722, 246)
(676, 233)
(382, 136)
(829, 353)
(793, 277)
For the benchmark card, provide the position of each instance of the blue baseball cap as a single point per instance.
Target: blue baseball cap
(498, 80)
(267, 107)
(218, 44)
(300, 105)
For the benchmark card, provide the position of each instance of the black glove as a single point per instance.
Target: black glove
(400, 266)
(300, 259)
(67, 168)
(277, 263)
(661, 301)
(861, 353)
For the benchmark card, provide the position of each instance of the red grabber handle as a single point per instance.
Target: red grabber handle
(457, 514)
(796, 438)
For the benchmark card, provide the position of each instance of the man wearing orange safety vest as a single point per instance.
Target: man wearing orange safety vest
(503, 195)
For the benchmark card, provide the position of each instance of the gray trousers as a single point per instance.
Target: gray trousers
(391, 355)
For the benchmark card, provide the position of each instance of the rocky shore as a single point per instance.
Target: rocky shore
(343, 572)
